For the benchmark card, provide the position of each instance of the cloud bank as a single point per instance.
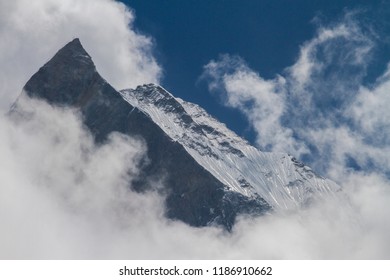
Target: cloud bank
(29, 31)
(62, 196)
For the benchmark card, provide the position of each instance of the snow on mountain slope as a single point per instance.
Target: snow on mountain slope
(278, 178)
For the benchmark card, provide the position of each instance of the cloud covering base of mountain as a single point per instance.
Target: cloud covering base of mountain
(64, 197)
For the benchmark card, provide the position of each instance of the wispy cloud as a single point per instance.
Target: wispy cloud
(314, 108)
(262, 101)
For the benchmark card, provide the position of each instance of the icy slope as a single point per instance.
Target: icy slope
(281, 180)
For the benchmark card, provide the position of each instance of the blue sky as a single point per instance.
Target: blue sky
(266, 34)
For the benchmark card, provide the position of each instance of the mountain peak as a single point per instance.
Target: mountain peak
(68, 77)
(74, 50)
(75, 41)
(153, 92)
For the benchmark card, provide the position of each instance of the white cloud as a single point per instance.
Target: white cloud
(262, 101)
(370, 108)
(32, 31)
(320, 52)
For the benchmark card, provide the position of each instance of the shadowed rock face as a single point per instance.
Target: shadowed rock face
(193, 195)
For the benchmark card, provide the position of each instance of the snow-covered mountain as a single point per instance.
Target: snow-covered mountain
(210, 174)
(280, 179)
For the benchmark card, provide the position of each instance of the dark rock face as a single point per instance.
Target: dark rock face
(193, 195)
